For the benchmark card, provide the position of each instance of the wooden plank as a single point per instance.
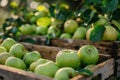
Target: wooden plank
(9, 73)
(104, 69)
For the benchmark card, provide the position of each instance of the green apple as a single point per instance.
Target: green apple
(27, 29)
(110, 34)
(47, 69)
(36, 63)
(41, 14)
(41, 30)
(68, 58)
(18, 50)
(43, 21)
(31, 57)
(14, 4)
(70, 26)
(16, 63)
(88, 54)
(4, 56)
(89, 32)
(65, 73)
(65, 35)
(56, 22)
(33, 19)
(80, 33)
(42, 8)
(55, 30)
(8, 42)
(2, 49)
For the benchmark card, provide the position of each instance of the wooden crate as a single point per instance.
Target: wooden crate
(105, 47)
(102, 70)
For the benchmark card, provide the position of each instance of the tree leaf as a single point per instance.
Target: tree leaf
(85, 72)
(97, 33)
(116, 23)
(51, 10)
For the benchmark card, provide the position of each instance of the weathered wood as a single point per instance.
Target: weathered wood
(104, 69)
(113, 77)
(9, 73)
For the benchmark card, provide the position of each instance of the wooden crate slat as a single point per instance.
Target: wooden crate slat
(9, 73)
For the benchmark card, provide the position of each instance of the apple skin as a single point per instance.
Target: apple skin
(18, 50)
(65, 35)
(36, 63)
(80, 33)
(2, 49)
(88, 55)
(64, 73)
(31, 57)
(4, 56)
(8, 42)
(70, 26)
(55, 30)
(68, 58)
(41, 30)
(47, 69)
(27, 29)
(110, 34)
(88, 33)
(16, 63)
(43, 21)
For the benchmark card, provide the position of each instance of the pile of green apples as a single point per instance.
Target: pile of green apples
(66, 64)
(40, 23)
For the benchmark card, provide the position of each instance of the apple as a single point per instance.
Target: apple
(4, 56)
(56, 22)
(8, 42)
(14, 4)
(41, 14)
(43, 21)
(65, 73)
(88, 33)
(55, 30)
(80, 33)
(47, 69)
(65, 35)
(41, 30)
(70, 26)
(88, 54)
(110, 34)
(68, 58)
(31, 57)
(27, 29)
(42, 8)
(33, 19)
(16, 63)
(2, 49)
(36, 63)
(18, 50)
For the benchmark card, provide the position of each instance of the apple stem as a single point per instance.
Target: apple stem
(89, 51)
